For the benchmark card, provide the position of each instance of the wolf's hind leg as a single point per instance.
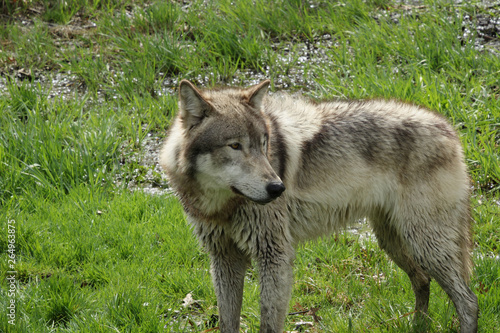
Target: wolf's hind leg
(445, 258)
(462, 296)
(228, 274)
(392, 243)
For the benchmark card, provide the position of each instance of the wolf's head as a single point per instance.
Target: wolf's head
(226, 140)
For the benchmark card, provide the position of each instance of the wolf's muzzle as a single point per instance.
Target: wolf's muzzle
(274, 189)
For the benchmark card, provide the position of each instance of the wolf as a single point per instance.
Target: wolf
(258, 173)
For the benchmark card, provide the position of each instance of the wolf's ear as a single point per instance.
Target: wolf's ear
(256, 93)
(193, 108)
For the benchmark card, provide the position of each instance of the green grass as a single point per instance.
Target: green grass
(88, 86)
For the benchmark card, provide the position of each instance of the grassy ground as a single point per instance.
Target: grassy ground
(88, 90)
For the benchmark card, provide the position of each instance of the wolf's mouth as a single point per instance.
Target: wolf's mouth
(263, 202)
(274, 190)
(235, 190)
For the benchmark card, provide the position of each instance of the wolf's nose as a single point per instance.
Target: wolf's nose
(274, 189)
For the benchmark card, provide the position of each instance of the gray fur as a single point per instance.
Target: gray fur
(231, 152)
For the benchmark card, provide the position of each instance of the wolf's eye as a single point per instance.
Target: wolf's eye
(235, 146)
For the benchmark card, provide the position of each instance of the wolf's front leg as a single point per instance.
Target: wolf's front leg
(276, 280)
(228, 272)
